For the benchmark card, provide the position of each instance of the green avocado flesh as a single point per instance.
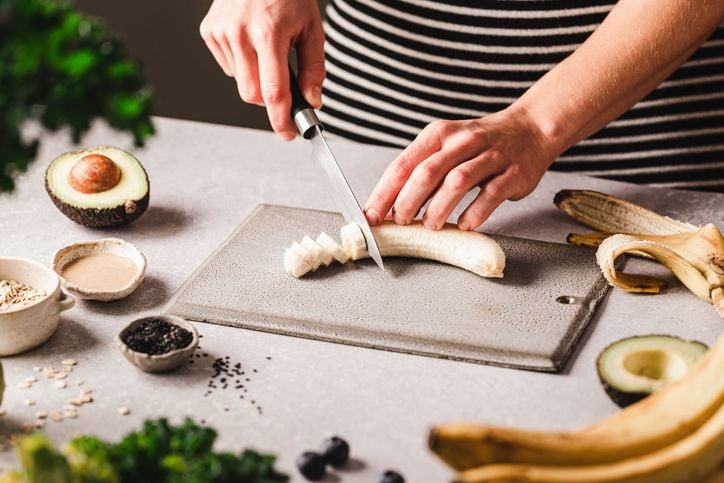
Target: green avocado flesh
(121, 204)
(633, 368)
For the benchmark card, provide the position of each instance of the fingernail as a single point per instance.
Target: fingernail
(399, 220)
(372, 216)
(317, 97)
(464, 225)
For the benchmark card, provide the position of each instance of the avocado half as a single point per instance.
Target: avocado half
(119, 201)
(632, 368)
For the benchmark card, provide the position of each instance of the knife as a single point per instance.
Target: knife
(311, 128)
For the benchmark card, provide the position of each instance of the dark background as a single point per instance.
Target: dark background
(164, 36)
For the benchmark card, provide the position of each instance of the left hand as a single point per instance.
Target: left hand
(505, 154)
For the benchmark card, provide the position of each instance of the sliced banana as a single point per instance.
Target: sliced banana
(471, 251)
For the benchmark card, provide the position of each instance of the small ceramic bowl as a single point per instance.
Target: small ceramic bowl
(114, 246)
(161, 362)
(28, 326)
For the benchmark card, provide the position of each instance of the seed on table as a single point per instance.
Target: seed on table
(67, 369)
(86, 390)
(37, 369)
(56, 416)
(40, 424)
(31, 379)
(76, 402)
(80, 383)
(26, 427)
(61, 375)
(124, 411)
(60, 385)
(69, 362)
(86, 399)
(24, 385)
(41, 415)
(29, 402)
(71, 414)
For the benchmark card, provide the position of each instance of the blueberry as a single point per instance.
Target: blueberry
(312, 465)
(390, 476)
(335, 451)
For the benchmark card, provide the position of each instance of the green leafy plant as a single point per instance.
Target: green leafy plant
(157, 453)
(63, 69)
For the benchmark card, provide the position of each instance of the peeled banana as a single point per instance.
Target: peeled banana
(671, 414)
(695, 255)
(469, 250)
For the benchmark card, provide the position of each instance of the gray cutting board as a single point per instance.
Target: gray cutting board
(416, 306)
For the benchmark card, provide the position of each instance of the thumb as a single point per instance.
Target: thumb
(310, 59)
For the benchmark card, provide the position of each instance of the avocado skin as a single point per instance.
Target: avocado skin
(100, 218)
(621, 398)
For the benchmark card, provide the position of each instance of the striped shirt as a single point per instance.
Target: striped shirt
(393, 66)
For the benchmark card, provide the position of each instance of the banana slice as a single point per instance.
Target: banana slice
(333, 248)
(315, 250)
(297, 260)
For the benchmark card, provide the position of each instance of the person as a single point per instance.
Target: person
(487, 94)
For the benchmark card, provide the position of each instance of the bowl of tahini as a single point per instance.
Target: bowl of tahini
(106, 269)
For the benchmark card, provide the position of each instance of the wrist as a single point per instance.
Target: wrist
(551, 135)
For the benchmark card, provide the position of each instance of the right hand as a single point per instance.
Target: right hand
(251, 39)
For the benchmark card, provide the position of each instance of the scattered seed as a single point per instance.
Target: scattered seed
(40, 424)
(80, 383)
(71, 414)
(86, 399)
(69, 362)
(86, 390)
(60, 385)
(56, 416)
(61, 375)
(24, 385)
(29, 402)
(31, 379)
(41, 415)
(124, 411)
(67, 369)
(76, 402)
(37, 369)
(26, 427)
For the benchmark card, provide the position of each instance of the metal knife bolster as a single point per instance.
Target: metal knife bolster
(306, 120)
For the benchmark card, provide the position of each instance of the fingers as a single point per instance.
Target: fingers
(398, 172)
(274, 85)
(246, 72)
(215, 48)
(425, 180)
(457, 183)
(492, 195)
(310, 59)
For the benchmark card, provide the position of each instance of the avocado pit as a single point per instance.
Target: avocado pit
(94, 173)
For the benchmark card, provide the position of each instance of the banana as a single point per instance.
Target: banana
(695, 255)
(691, 459)
(609, 214)
(670, 414)
(469, 250)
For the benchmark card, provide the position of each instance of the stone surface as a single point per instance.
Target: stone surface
(205, 180)
(415, 306)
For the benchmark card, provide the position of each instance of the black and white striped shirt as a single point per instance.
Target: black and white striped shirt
(393, 66)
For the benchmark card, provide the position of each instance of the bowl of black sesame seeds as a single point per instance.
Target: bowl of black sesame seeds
(158, 343)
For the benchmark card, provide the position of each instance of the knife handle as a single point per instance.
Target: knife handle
(302, 113)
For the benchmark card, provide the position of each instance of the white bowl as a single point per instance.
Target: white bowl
(114, 246)
(28, 326)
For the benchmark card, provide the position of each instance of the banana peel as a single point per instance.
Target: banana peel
(694, 255)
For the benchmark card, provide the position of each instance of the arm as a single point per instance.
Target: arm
(639, 44)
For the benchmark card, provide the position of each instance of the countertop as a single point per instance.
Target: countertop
(205, 179)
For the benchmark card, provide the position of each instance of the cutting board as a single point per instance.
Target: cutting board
(529, 319)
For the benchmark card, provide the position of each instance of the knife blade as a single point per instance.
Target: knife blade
(311, 128)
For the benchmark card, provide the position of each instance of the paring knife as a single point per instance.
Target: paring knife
(311, 128)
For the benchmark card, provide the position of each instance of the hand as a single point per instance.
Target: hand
(251, 39)
(505, 154)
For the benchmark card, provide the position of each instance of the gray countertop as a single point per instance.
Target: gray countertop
(205, 179)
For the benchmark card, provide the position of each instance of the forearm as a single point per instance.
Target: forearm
(638, 45)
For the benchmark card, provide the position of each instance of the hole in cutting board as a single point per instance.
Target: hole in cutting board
(567, 299)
